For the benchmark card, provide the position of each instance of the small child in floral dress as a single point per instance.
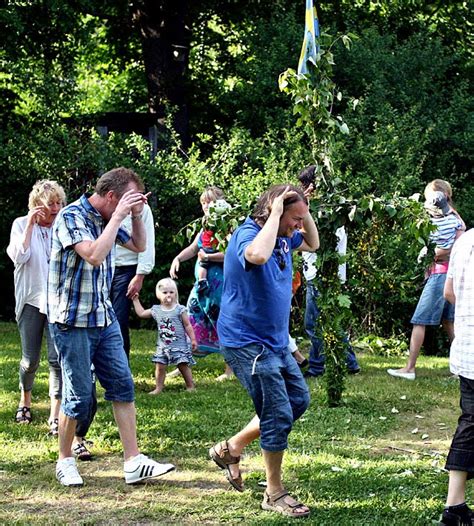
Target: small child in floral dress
(174, 333)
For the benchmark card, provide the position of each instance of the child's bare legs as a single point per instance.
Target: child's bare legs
(160, 373)
(185, 370)
(202, 273)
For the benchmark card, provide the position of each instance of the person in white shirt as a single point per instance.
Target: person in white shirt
(459, 290)
(130, 271)
(30, 249)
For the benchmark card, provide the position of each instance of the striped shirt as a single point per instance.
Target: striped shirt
(461, 270)
(446, 227)
(78, 292)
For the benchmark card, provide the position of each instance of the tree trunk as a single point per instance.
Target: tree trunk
(165, 39)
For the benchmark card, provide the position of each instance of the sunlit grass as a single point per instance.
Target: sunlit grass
(359, 464)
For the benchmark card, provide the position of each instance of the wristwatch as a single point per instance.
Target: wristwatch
(206, 256)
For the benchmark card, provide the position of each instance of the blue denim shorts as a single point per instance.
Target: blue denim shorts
(277, 388)
(78, 348)
(432, 307)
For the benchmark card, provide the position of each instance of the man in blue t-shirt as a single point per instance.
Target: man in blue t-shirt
(253, 334)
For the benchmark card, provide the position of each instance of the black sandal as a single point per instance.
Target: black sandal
(81, 452)
(23, 415)
(304, 363)
(53, 427)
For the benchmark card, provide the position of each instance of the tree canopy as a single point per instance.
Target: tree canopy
(212, 67)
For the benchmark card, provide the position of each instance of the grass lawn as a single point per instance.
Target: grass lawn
(377, 460)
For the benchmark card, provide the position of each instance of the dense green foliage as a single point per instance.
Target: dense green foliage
(405, 84)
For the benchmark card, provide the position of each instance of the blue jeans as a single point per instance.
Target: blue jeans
(78, 348)
(277, 388)
(121, 304)
(317, 358)
(82, 426)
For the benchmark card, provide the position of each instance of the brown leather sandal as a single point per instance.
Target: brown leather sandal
(285, 504)
(224, 459)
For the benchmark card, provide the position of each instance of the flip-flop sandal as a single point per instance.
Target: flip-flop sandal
(224, 459)
(285, 504)
(23, 415)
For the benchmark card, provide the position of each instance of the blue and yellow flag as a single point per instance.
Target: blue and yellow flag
(311, 32)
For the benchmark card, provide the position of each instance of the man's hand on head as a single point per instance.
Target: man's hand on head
(138, 209)
(131, 202)
(277, 207)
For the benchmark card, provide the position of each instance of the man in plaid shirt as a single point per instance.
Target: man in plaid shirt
(459, 290)
(82, 321)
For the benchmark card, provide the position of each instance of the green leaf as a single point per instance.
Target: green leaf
(391, 210)
(344, 301)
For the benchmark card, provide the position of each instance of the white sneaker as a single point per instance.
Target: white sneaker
(400, 374)
(143, 468)
(66, 472)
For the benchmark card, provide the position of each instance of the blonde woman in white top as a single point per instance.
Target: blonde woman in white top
(29, 249)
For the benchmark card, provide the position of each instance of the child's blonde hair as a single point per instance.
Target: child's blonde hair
(166, 282)
(439, 185)
(212, 193)
(45, 191)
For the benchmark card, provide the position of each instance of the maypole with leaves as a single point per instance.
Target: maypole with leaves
(315, 100)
